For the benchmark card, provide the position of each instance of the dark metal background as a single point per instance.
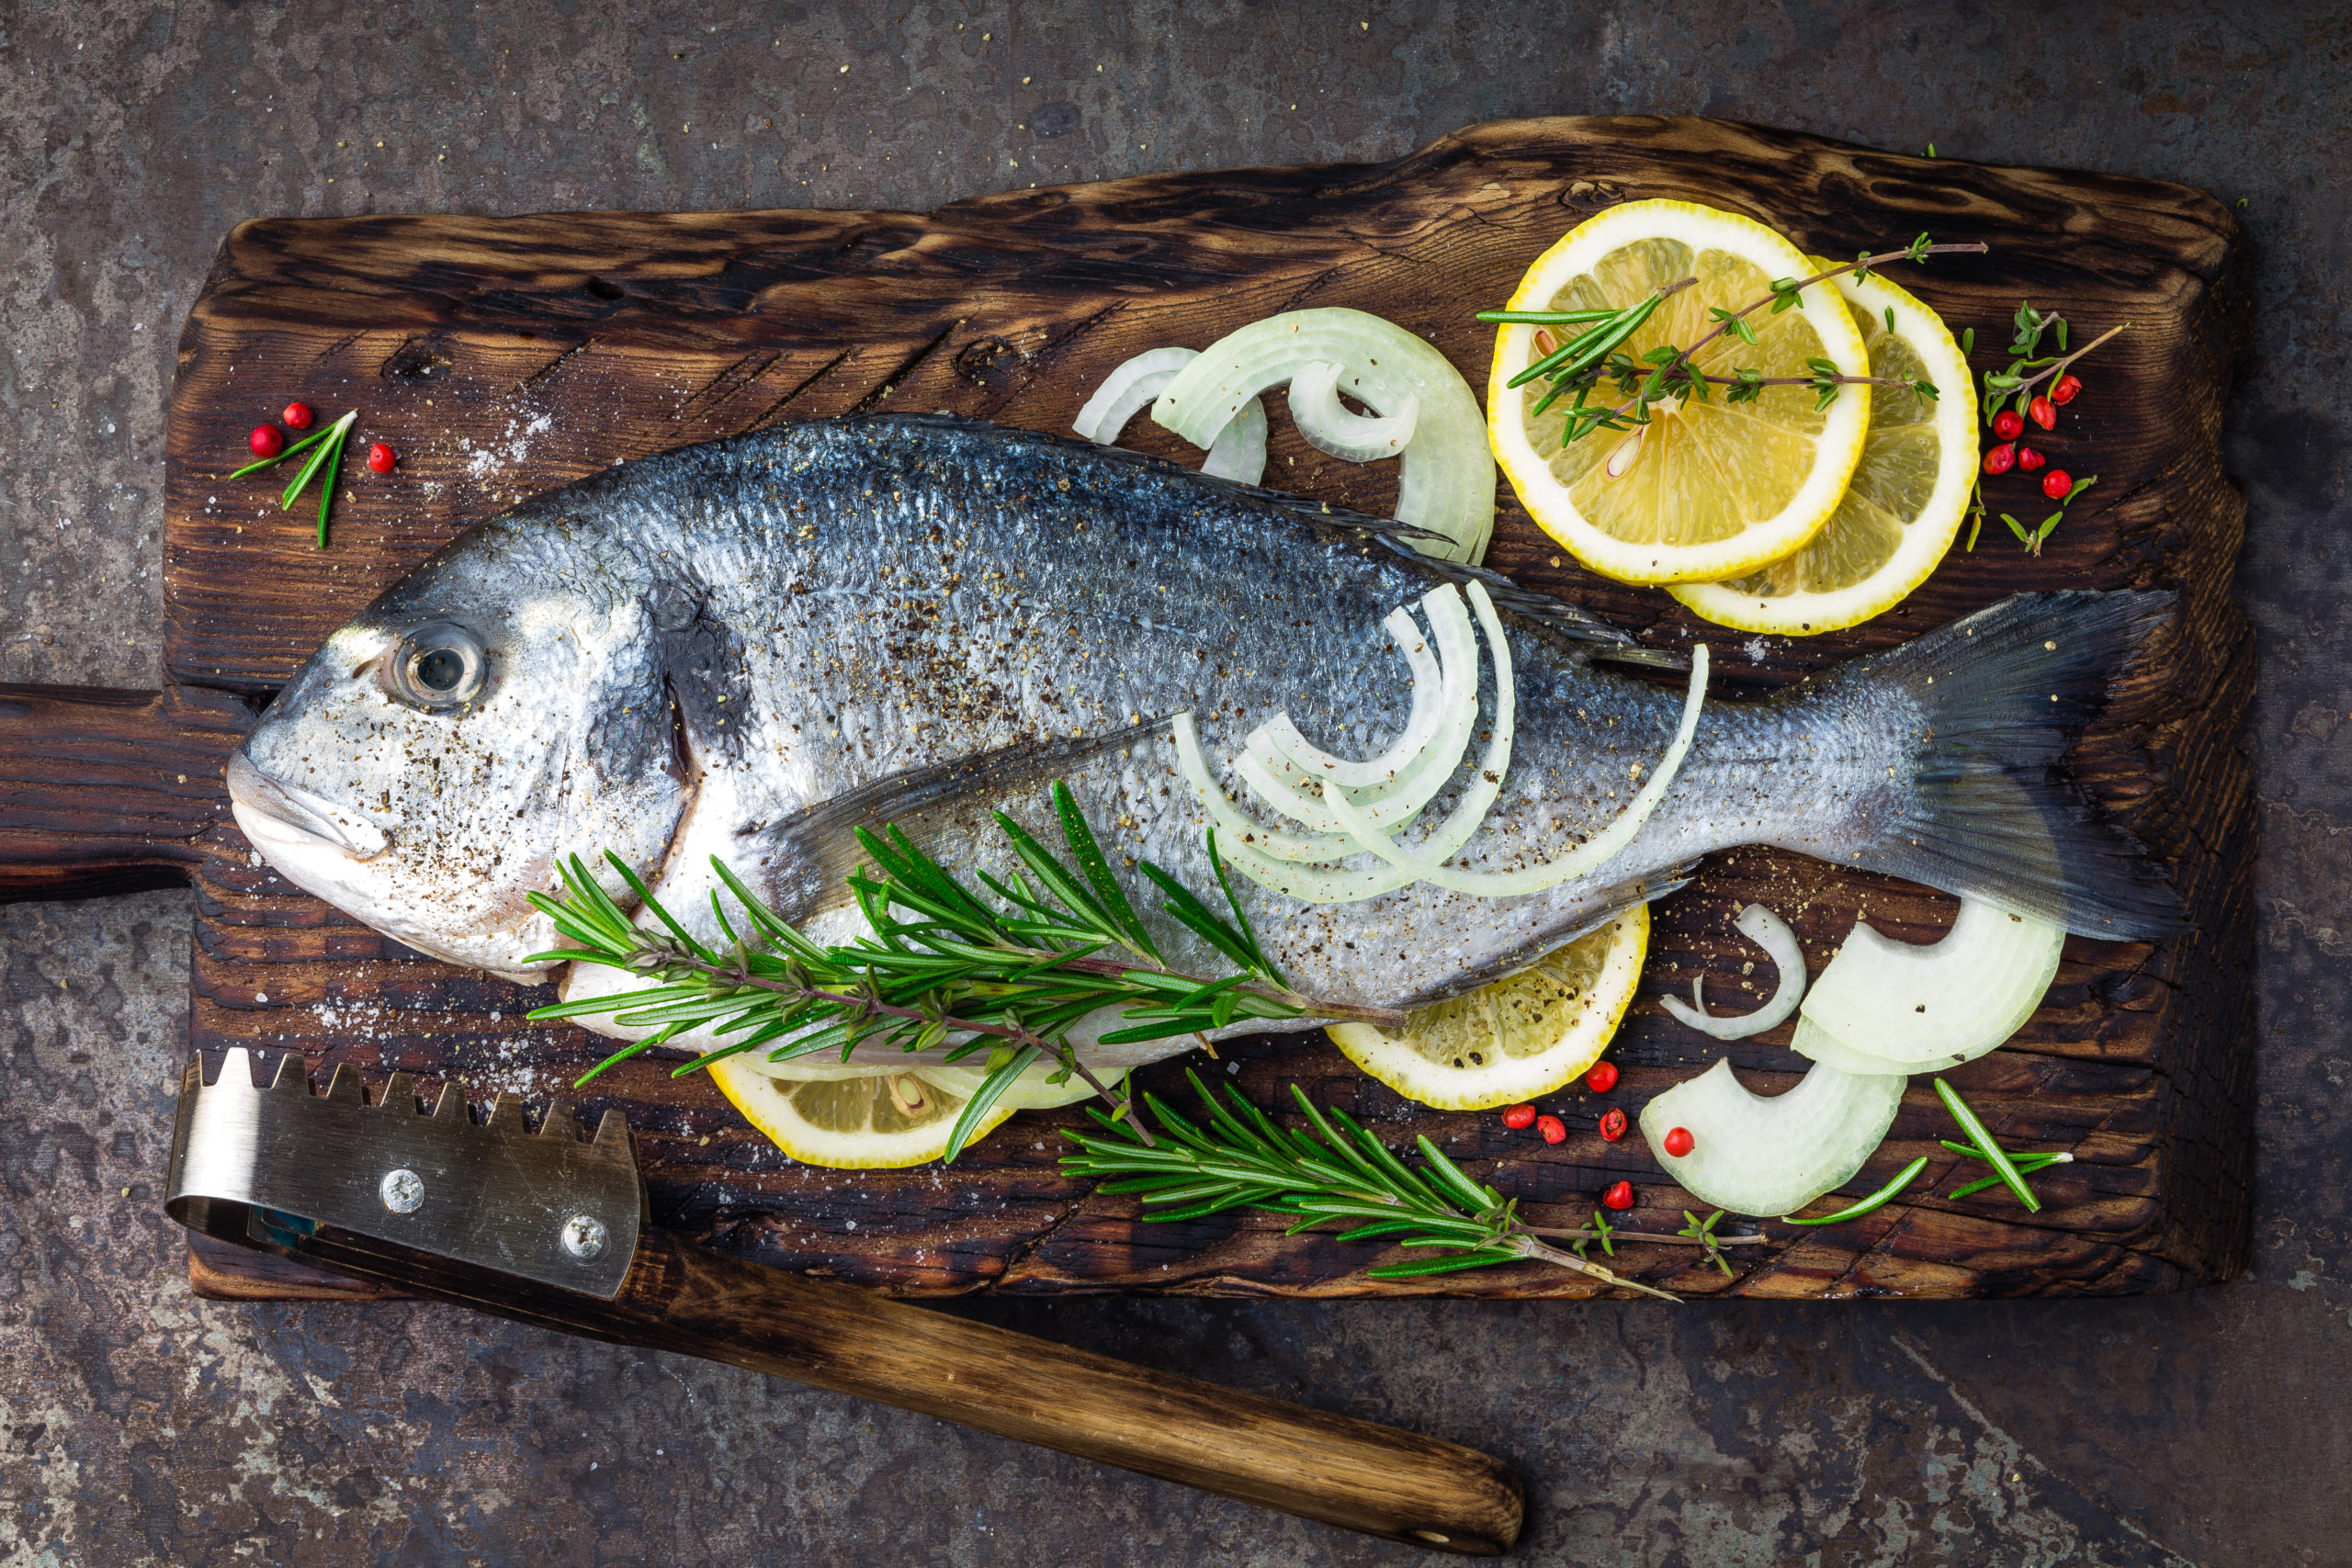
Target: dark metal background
(139, 1425)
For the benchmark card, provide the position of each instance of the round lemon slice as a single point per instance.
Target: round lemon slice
(881, 1121)
(1709, 489)
(1516, 1038)
(1904, 505)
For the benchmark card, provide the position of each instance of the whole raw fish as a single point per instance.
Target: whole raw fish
(744, 649)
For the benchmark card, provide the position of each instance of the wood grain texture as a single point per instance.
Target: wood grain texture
(106, 791)
(506, 355)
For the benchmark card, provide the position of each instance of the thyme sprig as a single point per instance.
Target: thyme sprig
(1335, 1169)
(2015, 385)
(1595, 355)
(1009, 972)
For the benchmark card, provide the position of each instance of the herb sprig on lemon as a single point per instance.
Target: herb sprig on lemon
(1682, 396)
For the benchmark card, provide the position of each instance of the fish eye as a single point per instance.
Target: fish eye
(437, 666)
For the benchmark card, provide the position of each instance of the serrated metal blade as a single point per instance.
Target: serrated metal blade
(260, 1165)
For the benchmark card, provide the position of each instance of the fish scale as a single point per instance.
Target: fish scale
(742, 648)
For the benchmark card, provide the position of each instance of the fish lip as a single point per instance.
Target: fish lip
(297, 812)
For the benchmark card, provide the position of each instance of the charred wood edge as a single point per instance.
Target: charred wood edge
(106, 791)
(684, 1298)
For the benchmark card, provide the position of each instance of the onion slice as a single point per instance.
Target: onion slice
(1371, 827)
(1304, 794)
(1915, 1010)
(1585, 859)
(1445, 474)
(1753, 1155)
(1127, 390)
(1251, 840)
(1421, 724)
(1331, 429)
(1237, 452)
(1771, 933)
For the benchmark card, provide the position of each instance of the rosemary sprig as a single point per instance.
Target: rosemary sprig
(1242, 1158)
(1009, 972)
(1871, 1204)
(2004, 1168)
(1592, 356)
(2026, 1165)
(325, 447)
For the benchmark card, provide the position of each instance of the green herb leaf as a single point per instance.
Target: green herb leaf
(984, 1099)
(1877, 1200)
(1993, 1152)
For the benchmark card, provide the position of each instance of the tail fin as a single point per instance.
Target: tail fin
(2003, 694)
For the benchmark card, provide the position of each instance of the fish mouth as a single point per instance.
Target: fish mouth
(275, 814)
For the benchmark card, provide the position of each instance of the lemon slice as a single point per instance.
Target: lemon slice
(1030, 1091)
(1710, 488)
(1904, 505)
(884, 1120)
(1518, 1037)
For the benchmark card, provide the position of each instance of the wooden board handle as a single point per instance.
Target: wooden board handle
(105, 790)
(1336, 1469)
(683, 1297)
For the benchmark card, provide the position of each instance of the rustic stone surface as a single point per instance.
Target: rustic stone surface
(140, 1426)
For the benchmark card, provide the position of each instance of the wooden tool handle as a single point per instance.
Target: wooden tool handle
(679, 1296)
(106, 791)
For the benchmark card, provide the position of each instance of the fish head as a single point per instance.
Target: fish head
(445, 752)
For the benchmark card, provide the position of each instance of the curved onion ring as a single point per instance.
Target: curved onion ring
(1771, 933)
(1435, 697)
(1331, 429)
(1366, 831)
(1584, 858)
(1127, 390)
(1393, 801)
(1420, 724)
(1237, 452)
(1446, 477)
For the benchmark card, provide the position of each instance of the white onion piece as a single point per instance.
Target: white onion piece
(1585, 859)
(1246, 832)
(1924, 1009)
(1302, 795)
(1331, 429)
(1315, 886)
(1126, 390)
(1753, 1155)
(1433, 698)
(1238, 453)
(1771, 933)
(1819, 1044)
(1420, 723)
(1446, 478)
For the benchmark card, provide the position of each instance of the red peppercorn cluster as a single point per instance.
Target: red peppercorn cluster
(268, 441)
(2009, 453)
(1601, 1079)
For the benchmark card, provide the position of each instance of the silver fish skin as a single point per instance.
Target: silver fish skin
(741, 649)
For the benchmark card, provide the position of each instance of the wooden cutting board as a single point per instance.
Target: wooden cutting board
(505, 355)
